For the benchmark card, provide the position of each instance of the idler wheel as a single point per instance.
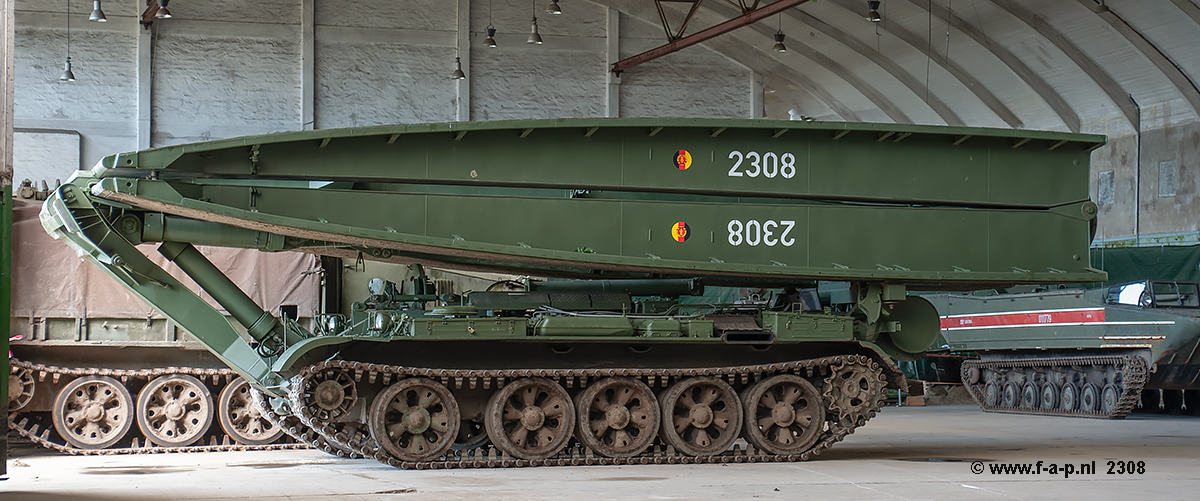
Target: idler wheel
(701, 416)
(784, 414)
(1049, 396)
(1068, 399)
(93, 412)
(1030, 395)
(174, 410)
(530, 418)
(618, 417)
(1011, 395)
(329, 394)
(20, 388)
(415, 419)
(241, 419)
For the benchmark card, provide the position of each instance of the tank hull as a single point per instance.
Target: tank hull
(1088, 339)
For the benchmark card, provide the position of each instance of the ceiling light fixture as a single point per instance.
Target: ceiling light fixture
(162, 13)
(779, 47)
(97, 14)
(553, 8)
(458, 72)
(490, 41)
(67, 74)
(873, 11)
(534, 37)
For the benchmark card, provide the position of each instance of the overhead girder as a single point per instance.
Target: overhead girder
(968, 80)
(1053, 98)
(948, 116)
(873, 94)
(666, 22)
(149, 14)
(749, 15)
(1184, 85)
(1107, 83)
(769, 65)
(764, 64)
(939, 106)
(749, 57)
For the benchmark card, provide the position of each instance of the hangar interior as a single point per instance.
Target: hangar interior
(133, 77)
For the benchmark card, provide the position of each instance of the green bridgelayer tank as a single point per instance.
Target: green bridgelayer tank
(610, 364)
(1076, 352)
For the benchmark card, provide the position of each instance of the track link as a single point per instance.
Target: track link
(835, 428)
(1128, 373)
(43, 434)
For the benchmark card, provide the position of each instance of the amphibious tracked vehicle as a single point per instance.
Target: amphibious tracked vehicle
(1075, 352)
(606, 364)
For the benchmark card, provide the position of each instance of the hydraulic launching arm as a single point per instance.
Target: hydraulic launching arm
(733, 202)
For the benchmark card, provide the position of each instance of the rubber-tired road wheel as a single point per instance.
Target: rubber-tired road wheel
(415, 419)
(240, 418)
(93, 412)
(618, 417)
(784, 414)
(174, 410)
(530, 418)
(701, 416)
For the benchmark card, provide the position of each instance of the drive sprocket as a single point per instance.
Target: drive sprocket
(854, 390)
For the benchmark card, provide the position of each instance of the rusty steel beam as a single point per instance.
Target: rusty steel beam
(150, 12)
(750, 17)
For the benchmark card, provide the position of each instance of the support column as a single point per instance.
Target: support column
(612, 87)
(462, 88)
(307, 66)
(756, 96)
(7, 45)
(145, 51)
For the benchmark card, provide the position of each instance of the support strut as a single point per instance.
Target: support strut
(260, 324)
(750, 16)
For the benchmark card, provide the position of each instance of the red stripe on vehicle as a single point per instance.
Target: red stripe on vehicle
(1026, 318)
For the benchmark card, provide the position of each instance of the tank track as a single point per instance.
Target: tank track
(292, 427)
(34, 432)
(1128, 373)
(838, 423)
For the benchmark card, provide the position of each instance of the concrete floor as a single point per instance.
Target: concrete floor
(905, 453)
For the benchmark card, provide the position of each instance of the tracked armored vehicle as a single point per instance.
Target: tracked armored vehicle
(71, 324)
(609, 364)
(1075, 352)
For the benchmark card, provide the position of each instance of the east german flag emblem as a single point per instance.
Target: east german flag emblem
(683, 159)
(680, 232)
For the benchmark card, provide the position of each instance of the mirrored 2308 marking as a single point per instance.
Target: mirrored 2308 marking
(754, 233)
(767, 164)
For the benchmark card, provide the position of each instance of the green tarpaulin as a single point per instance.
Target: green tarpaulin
(1128, 264)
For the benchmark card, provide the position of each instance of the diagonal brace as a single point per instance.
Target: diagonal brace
(749, 17)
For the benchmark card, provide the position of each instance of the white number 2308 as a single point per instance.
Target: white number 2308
(767, 164)
(753, 233)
